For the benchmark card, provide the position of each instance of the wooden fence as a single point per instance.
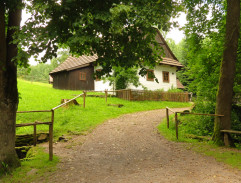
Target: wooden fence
(225, 132)
(176, 117)
(34, 124)
(50, 123)
(141, 95)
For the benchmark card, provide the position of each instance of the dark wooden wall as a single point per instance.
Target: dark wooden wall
(69, 80)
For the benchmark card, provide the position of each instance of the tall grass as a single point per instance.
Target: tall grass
(75, 119)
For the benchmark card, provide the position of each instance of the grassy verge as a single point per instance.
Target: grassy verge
(34, 167)
(229, 156)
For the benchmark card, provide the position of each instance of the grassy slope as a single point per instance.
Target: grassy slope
(229, 156)
(39, 96)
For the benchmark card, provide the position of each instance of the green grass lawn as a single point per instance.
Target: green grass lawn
(76, 119)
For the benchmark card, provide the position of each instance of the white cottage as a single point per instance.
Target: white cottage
(77, 73)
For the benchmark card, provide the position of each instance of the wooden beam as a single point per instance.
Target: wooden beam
(33, 111)
(51, 129)
(231, 131)
(66, 102)
(167, 115)
(106, 93)
(32, 124)
(84, 96)
(201, 114)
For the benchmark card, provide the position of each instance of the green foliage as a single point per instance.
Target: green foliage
(38, 73)
(121, 78)
(4, 169)
(119, 32)
(204, 17)
(62, 55)
(175, 90)
(201, 52)
(40, 96)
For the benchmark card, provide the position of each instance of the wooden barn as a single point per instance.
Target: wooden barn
(78, 73)
(75, 73)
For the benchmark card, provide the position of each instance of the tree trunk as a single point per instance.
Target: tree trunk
(8, 88)
(227, 73)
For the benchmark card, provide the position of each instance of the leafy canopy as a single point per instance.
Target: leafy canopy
(119, 32)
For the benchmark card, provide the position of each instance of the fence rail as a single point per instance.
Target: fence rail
(176, 117)
(34, 124)
(67, 102)
(224, 131)
(51, 123)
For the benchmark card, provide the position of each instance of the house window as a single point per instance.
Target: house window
(165, 76)
(82, 76)
(98, 78)
(150, 75)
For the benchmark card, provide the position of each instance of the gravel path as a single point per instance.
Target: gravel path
(129, 149)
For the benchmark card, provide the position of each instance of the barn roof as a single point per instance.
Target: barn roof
(72, 63)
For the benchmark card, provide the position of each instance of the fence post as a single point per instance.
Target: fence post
(34, 134)
(106, 93)
(84, 98)
(167, 114)
(51, 137)
(176, 124)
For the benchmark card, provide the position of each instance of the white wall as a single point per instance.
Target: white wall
(153, 85)
(102, 85)
(150, 85)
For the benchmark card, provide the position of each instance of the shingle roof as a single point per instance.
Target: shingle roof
(179, 85)
(73, 63)
(170, 61)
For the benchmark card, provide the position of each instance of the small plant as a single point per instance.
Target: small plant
(175, 90)
(4, 169)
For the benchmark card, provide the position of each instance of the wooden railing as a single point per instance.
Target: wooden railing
(225, 135)
(34, 124)
(225, 132)
(50, 123)
(176, 117)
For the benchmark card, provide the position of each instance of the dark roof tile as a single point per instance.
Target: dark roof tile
(72, 63)
(170, 61)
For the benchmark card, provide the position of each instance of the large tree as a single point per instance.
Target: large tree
(120, 32)
(227, 73)
(10, 17)
(215, 23)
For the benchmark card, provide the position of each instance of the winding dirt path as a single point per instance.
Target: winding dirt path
(129, 149)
